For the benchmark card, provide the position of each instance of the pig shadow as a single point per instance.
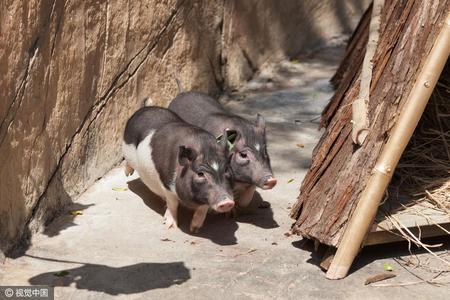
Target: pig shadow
(218, 228)
(258, 213)
(131, 279)
(150, 199)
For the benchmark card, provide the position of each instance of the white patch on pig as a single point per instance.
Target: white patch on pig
(215, 166)
(140, 159)
(172, 185)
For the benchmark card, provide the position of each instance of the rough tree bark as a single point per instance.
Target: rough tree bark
(340, 169)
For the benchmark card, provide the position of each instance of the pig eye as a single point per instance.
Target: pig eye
(201, 174)
(243, 154)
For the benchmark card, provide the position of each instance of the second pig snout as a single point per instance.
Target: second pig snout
(269, 182)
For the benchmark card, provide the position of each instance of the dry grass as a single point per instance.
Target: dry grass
(421, 183)
(423, 173)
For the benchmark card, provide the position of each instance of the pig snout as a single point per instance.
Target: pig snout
(224, 205)
(269, 182)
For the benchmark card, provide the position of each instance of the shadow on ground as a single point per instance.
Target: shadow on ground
(66, 219)
(53, 227)
(370, 254)
(218, 228)
(131, 279)
(149, 198)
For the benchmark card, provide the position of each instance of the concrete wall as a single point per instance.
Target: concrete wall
(74, 71)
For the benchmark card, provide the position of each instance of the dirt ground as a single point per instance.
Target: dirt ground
(115, 244)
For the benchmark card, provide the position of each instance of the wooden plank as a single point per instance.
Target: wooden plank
(417, 215)
(383, 237)
(423, 215)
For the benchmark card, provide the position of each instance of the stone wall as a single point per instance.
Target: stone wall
(74, 71)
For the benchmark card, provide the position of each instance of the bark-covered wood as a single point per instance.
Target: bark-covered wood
(339, 170)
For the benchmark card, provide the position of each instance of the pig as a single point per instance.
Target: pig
(250, 162)
(179, 162)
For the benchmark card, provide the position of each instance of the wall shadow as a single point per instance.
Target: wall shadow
(65, 219)
(131, 279)
(56, 219)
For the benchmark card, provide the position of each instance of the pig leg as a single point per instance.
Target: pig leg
(170, 216)
(198, 218)
(246, 196)
(128, 169)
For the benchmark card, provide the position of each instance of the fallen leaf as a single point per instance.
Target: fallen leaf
(379, 277)
(76, 212)
(387, 267)
(295, 61)
(287, 234)
(61, 273)
(166, 240)
(193, 243)
(290, 180)
(300, 145)
(274, 243)
(251, 250)
(119, 189)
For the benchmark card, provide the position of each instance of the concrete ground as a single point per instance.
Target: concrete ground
(117, 245)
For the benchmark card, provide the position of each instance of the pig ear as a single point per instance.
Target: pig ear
(260, 122)
(231, 137)
(186, 155)
(223, 138)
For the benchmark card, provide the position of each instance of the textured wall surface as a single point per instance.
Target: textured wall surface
(72, 72)
(255, 31)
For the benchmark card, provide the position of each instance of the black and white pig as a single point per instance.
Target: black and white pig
(179, 162)
(250, 161)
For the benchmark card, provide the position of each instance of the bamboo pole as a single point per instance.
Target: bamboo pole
(366, 209)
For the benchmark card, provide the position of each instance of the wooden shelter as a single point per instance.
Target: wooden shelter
(392, 66)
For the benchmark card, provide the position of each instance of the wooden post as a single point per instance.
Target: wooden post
(363, 216)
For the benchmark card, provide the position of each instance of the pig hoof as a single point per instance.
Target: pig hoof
(169, 220)
(194, 229)
(170, 223)
(128, 170)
